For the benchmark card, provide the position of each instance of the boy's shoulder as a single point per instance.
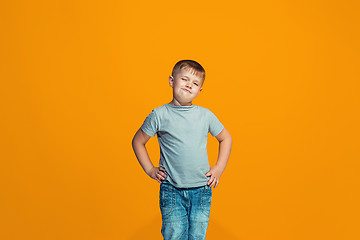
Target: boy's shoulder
(203, 109)
(159, 108)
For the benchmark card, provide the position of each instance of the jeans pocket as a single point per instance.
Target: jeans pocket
(167, 200)
(206, 197)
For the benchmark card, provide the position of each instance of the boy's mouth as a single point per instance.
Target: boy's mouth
(186, 90)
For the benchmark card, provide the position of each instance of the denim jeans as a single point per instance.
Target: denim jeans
(185, 211)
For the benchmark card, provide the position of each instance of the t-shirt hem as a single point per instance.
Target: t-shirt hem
(222, 128)
(147, 132)
(194, 185)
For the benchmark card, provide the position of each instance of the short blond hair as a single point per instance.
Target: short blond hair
(190, 65)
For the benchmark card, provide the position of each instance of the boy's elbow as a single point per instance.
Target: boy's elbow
(229, 138)
(133, 143)
(135, 140)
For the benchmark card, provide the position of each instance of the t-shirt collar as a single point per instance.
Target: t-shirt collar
(181, 108)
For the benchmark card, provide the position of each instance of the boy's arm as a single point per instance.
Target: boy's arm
(138, 144)
(225, 142)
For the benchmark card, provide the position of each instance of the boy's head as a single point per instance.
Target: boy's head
(192, 66)
(186, 80)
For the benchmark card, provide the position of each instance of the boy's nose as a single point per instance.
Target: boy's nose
(188, 84)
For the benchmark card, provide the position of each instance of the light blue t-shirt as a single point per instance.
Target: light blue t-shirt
(182, 133)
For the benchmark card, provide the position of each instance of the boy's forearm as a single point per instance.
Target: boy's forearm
(142, 156)
(224, 153)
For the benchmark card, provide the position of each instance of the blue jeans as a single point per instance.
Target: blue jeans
(185, 211)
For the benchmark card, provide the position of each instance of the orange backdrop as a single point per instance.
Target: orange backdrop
(78, 79)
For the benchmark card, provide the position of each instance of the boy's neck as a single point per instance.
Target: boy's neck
(176, 103)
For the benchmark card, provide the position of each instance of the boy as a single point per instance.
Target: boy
(184, 172)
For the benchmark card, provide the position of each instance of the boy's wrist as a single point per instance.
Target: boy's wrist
(148, 171)
(220, 167)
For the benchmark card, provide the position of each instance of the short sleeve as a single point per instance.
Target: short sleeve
(151, 124)
(215, 126)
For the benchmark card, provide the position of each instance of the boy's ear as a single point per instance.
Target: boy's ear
(171, 81)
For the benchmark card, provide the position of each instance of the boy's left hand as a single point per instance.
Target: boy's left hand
(214, 175)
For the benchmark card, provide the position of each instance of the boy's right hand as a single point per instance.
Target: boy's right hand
(157, 173)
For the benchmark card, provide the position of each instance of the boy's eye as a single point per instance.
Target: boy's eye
(196, 84)
(184, 79)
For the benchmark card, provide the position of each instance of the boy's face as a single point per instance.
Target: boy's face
(186, 86)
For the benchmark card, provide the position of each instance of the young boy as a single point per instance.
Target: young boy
(184, 172)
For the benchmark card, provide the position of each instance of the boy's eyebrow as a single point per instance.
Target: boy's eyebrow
(188, 77)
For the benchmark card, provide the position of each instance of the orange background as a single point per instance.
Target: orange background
(78, 79)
